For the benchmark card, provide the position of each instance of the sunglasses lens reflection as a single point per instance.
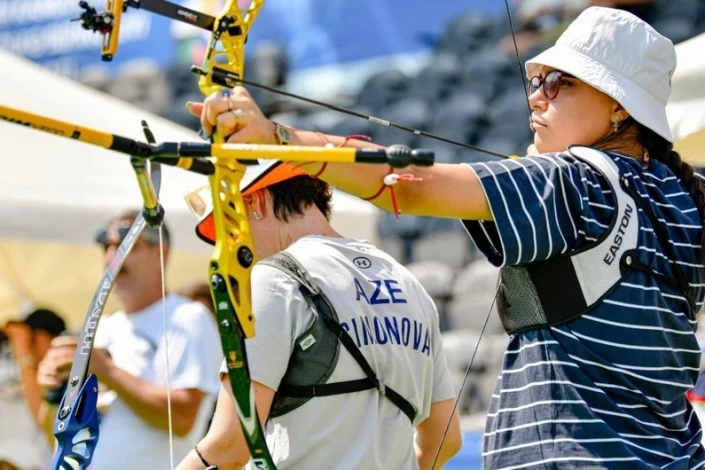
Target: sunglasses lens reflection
(103, 239)
(552, 83)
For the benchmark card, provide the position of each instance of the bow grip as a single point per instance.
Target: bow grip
(76, 429)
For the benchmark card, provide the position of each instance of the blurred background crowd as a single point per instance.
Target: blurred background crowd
(453, 72)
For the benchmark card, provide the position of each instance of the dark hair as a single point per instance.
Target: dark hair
(662, 150)
(291, 197)
(47, 320)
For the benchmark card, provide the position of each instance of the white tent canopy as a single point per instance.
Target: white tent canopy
(58, 189)
(686, 108)
(56, 192)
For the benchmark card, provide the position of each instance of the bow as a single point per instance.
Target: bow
(233, 256)
(76, 424)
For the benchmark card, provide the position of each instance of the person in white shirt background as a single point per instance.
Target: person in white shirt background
(129, 360)
(23, 343)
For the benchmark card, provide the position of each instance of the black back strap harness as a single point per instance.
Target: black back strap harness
(316, 352)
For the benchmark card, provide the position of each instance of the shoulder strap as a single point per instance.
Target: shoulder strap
(311, 291)
(617, 179)
(681, 283)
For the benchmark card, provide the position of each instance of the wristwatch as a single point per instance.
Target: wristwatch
(281, 134)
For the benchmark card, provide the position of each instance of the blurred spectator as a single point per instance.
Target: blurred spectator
(541, 22)
(199, 291)
(640, 8)
(130, 360)
(24, 343)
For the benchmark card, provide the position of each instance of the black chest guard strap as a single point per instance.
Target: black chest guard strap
(555, 291)
(292, 393)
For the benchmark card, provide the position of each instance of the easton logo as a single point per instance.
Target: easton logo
(619, 237)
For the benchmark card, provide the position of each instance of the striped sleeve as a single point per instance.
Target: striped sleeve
(541, 207)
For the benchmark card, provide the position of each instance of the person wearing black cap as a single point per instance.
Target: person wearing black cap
(28, 341)
(130, 360)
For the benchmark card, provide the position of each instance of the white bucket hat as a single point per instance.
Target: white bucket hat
(620, 55)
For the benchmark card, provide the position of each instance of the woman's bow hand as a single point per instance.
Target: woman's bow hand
(235, 116)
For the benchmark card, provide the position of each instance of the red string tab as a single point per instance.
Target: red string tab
(388, 182)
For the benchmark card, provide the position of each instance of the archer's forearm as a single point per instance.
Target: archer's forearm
(32, 391)
(442, 190)
(361, 180)
(426, 457)
(150, 401)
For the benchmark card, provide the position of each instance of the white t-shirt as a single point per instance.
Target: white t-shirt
(136, 344)
(394, 323)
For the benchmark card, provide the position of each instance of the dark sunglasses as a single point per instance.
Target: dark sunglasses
(551, 83)
(151, 236)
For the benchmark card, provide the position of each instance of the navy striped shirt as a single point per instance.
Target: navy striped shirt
(606, 390)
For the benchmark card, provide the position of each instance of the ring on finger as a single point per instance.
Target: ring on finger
(237, 113)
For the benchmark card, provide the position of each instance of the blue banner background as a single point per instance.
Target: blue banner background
(315, 32)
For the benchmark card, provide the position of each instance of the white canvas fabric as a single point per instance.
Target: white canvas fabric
(620, 55)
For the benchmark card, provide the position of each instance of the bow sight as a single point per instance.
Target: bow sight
(107, 22)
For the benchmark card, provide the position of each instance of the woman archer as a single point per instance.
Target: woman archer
(599, 238)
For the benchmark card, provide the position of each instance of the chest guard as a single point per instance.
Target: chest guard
(316, 351)
(552, 292)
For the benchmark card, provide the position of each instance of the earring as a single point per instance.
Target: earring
(257, 216)
(615, 122)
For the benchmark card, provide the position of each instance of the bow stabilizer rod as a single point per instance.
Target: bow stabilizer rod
(188, 155)
(109, 141)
